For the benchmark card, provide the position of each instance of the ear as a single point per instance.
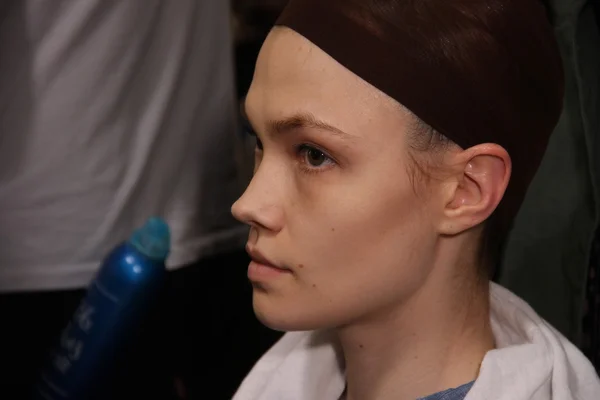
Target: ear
(481, 180)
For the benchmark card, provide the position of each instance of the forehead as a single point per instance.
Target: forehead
(287, 58)
(293, 75)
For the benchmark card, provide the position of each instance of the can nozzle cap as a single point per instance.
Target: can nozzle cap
(153, 239)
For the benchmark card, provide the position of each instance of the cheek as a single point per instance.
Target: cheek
(360, 218)
(373, 236)
(354, 250)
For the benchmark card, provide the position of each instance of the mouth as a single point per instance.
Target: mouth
(261, 268)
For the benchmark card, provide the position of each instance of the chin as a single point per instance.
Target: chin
(277, 314)
(273, 322)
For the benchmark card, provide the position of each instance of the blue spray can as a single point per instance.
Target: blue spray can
(128, 282)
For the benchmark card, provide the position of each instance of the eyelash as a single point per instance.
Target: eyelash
(301, 150)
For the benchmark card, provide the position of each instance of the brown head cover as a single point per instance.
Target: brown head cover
(477, 71)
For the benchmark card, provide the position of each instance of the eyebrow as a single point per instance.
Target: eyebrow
(297, 121)
(303, 121)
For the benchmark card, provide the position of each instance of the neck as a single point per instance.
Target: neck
(434, 341)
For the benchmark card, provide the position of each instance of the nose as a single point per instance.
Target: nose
(260, 205)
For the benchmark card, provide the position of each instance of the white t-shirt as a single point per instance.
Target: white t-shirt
(532, 361)
(113, 111)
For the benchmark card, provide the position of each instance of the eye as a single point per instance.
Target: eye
(314, 158)
(250, 132)
(259, 145)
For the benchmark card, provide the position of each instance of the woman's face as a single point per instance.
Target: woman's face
(331, 201)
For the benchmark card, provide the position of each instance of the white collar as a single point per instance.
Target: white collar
(532, 362)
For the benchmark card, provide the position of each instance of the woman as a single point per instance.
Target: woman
(387, 134)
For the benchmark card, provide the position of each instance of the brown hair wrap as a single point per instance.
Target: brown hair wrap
(476, 71)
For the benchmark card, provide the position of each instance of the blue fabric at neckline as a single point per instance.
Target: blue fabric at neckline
(458, 393)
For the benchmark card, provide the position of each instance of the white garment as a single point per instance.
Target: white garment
(112, 111)
(532, 362)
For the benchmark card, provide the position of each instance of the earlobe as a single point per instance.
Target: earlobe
(481, 184)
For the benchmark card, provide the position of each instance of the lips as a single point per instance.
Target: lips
(263, 272)
(258, 258)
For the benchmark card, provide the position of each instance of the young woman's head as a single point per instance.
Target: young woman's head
(387, 132)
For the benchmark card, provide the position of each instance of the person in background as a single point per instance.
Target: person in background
(112, 112)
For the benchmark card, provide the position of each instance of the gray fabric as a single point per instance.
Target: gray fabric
(112, 112)
(547, 253)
